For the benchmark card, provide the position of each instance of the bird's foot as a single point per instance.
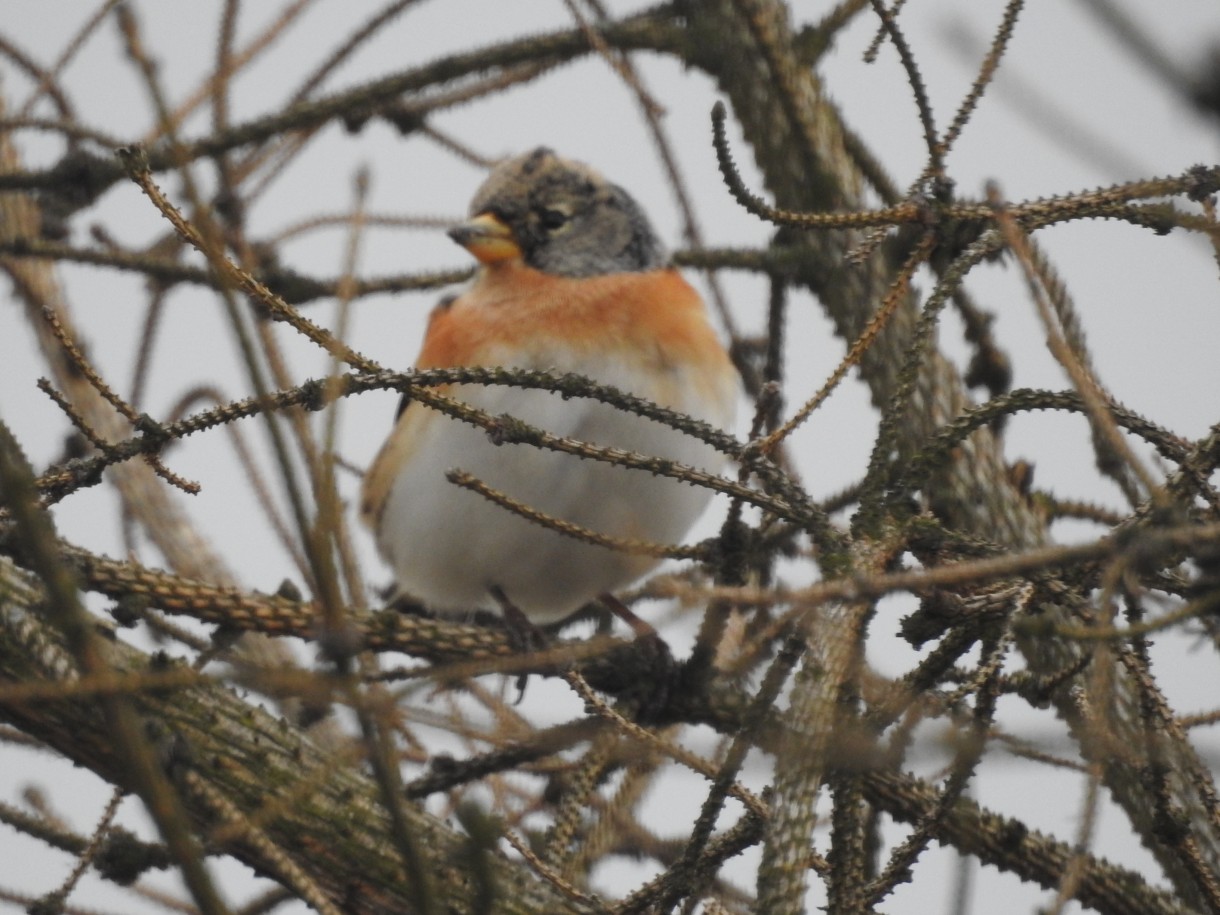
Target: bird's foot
(523, 635)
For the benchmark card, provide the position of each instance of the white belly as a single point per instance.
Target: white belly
(449, 546)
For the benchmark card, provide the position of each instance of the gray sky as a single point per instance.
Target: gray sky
(1069, 112)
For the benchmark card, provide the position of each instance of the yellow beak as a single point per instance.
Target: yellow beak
(488, 238)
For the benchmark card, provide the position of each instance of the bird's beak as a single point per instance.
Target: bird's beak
(488, 238)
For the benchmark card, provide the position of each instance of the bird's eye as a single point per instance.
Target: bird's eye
(552, 219)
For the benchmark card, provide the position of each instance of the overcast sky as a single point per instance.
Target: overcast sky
(1070, 111)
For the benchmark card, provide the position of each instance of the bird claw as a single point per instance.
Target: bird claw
(523, 635)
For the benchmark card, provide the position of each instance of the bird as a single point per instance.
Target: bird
(571, 279)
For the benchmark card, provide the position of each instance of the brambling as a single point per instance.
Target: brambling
(571, 279)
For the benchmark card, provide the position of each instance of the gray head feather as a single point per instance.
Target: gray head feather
(567, 218)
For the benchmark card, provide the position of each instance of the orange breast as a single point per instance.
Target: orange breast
(516, 309)
(651, 325)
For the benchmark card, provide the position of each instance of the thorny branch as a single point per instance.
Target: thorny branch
(938, 517)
